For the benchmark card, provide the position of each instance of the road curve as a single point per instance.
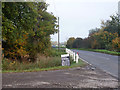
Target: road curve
(106, 62)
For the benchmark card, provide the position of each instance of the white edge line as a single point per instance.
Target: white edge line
(84, 61)
(100, 68)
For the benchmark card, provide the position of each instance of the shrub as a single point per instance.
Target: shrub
(41, 62)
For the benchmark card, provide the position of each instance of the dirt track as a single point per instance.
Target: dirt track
(80, 77)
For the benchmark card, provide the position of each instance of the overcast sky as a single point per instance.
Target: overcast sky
(77, 17)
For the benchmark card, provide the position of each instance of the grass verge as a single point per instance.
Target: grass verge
(79, 64)
(42, 63)
(100, 50)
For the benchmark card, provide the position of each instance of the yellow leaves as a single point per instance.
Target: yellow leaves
(94, 44)
(10, 53)
(16, 51)
(17, 48)
(116, 43)
(21, 51)
(115, 34)
(110, 33)
(116, 40)
(25, 35)
(21, 41)
(106, 40)
(12, 63)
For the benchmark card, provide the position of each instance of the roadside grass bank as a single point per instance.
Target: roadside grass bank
(35, 69)
(43, 63)
(100, 50)
(54, 52)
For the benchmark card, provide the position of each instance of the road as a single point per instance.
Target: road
(80, 77)
(106, 62)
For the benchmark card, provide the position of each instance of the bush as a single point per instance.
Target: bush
(41, 62)
(50, 58)
(55, 52)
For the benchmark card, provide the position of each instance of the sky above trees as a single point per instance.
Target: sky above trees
(77, 17)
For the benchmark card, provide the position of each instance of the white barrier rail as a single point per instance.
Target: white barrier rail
(65, 60)
(74, 55)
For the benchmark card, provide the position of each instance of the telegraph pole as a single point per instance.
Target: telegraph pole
(118, 17)
(58, 35)
(119, 9)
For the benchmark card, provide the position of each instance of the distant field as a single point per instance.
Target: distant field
(100, 50)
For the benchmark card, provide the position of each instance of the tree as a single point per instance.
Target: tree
(70, 42)
(116, 44)
(112, 25)
(93, 31)
(17, 21)
(87, 42)
(102, 38)
(77, 43)
(26, 29)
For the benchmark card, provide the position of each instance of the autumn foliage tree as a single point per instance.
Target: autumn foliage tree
(26, 29)
(105, 37)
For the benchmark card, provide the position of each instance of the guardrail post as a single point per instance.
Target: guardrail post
(74, 56)
(77, 57)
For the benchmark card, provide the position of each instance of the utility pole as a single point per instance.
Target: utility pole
(118, 17)
(58, 35)
(119, 9)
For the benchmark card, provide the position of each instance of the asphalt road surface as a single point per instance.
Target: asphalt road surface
(106, 62)
(80, 77)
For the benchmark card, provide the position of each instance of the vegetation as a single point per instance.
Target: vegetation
(70, 42)
(26, 45)
(35, 69)
(79, 64)
(100, 50)
(42, 63)
(26, 30)
(55, 52)
(107, 37)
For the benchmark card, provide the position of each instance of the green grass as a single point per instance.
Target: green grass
(100, 50)
(42, 63)
(52, 59)
(54, 52)
(79, 64)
